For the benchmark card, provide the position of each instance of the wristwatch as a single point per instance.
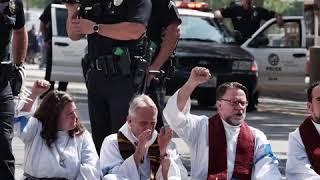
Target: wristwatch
(96, 28)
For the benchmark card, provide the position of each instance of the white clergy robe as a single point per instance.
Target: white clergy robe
(113, 166)
(194, 130)
(298, 166)
(81, 160)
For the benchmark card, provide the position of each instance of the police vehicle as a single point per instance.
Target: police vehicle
(279, 52)
(281, 55)
(205, 43)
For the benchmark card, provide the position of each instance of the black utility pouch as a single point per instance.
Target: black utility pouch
(110, 67)
(86, 66)
(139, 71)
(124, 62)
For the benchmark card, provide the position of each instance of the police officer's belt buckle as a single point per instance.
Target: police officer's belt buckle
(98, 64)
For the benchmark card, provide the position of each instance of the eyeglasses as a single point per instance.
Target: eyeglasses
(236, 103)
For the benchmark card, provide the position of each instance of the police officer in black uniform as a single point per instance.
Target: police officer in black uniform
(115, 31)
(46, 30)
(11, 23)
(246, 18)
(163, 33)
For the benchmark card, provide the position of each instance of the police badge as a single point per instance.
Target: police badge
(12, 7)
(117, 2)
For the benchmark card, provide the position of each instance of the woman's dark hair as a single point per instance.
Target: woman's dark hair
(49, 112)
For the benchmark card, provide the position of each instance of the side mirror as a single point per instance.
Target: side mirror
(259, 41)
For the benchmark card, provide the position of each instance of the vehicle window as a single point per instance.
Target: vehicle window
(203, 29)
(287, 36)
(61, 17)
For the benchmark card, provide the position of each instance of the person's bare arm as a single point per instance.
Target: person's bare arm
(119, 31)
(198, 75)
(19, 45)
(168, 45)
(39, 87)
(280, 21)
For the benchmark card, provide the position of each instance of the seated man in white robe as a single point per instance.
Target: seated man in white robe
(137, 151)
(304, 143)
(223, 146)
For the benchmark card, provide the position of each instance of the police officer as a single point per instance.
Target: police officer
(46, 31)
(114, 30)
(163, 33)
(246, 18)
(12, 22)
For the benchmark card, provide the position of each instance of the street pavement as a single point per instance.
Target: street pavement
(275, 117)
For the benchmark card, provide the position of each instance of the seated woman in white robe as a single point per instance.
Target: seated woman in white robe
(137, 151)
(57, 145)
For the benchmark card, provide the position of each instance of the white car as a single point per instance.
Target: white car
(281, 55)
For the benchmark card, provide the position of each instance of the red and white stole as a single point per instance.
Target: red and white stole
(217, 168)
(311, 140)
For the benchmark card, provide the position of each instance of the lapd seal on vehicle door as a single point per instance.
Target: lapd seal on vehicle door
(273, 59)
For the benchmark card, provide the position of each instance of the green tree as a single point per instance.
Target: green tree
(35, 3)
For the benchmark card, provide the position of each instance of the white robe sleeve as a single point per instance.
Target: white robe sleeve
(111, 161)
(28, 128)
(182, 122)
(176, 170)
(89, 166)
(298, 165)
(265, 162)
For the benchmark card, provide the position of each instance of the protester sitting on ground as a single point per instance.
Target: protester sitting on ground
(223, 146)
(137, 151)
(304, 143)
(57, 145)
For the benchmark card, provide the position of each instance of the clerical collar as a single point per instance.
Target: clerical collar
(317, 126)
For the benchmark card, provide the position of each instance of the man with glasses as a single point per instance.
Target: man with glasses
(304, 142)
(223, 146)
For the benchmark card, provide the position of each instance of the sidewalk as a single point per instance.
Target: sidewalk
(18, 152)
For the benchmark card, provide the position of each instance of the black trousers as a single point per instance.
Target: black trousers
(7, 166)
(157, 93)
(62, 85)
(108, 101)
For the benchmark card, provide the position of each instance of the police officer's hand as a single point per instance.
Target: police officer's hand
(75, 26)
(72, 8)
(86, 26)
(199, 75)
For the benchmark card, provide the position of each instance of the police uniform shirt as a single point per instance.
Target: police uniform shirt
(112, 12)
(247, 21)
(9, 10)
(164, 12)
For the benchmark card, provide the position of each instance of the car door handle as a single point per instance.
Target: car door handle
(298, 55)
(61, 44)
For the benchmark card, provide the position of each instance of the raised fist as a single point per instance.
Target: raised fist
(199, 75)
